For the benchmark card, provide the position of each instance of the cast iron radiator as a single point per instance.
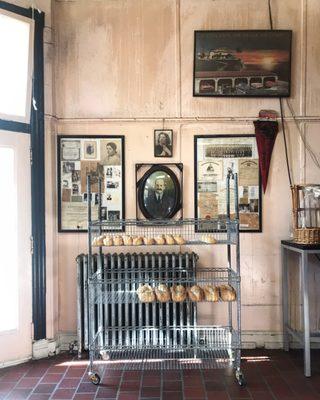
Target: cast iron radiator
(132, 315)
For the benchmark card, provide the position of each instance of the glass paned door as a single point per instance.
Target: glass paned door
(15, 256)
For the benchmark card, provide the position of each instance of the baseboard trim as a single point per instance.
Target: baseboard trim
(45, 348)
(14, 362)
(66, 341)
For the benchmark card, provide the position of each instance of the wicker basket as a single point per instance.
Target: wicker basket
(306, 213)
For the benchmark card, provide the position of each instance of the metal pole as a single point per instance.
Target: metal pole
(285, 295)
(306, 316)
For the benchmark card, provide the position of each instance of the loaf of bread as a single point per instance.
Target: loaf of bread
(148, 241)
(179, 239)
(137, 241)
(227, 293)
(118, 241)
(127, 240)
(160, 240)
(169, 239)
(208, 238)
(178, 293)
(108, 241)
(97, 241)
(162, 293)
(211, 293)
(146, 294)
(195, 293)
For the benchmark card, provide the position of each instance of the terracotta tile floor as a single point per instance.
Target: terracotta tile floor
(271, 375)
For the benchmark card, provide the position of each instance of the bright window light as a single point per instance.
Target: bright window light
(16, 49)
(8, 242)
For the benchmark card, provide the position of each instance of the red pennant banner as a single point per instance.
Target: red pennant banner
(266, 133)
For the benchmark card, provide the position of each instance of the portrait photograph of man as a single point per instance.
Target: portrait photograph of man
(159, 195)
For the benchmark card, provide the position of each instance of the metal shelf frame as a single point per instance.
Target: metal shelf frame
(179, 342)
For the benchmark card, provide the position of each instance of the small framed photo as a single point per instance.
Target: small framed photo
(163, 142)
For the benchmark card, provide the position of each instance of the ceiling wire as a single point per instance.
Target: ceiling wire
(281, 110)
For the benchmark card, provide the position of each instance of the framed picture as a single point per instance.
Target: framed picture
(99, 156)
(163, 142)
(159, 191)
(214, 155)
(254, 63)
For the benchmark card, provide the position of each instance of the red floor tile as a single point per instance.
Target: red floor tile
(172, 386)
(278, 377)
(150, 392)
(51, 378)
(69, 383)
(84, 396)
(107, 393)
(151, 381)
(128, 396)
(217, 395)
(18, 394)
(62, 394)
(87, 388)
(172, 395)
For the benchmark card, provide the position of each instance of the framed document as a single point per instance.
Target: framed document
(99, 156)
(214, 155)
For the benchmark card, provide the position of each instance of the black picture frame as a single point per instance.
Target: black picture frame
(62, 163)
(147, 207)
(228, 138)
(242, 63)
(158, 150)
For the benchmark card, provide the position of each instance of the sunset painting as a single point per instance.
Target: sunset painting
(242, 63)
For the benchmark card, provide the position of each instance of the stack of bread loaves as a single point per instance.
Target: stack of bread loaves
(127, 240)
(179, 293)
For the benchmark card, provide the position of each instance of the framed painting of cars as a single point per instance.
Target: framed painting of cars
(99, 156)
(246, 63)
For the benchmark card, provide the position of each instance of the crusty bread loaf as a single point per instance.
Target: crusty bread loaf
(148, 241)
(169, 239)
(195, 293)
(178, 293)
(108, 241)
(211, 293)
(227, 293)
(127, 240)
(162, 293)
(146, 294)
(208, 238)
(179, 239)
(137, 241)
(160, 240)
(118, 241)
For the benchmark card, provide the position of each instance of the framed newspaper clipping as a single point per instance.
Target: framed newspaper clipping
(214, 155)
(79, 156)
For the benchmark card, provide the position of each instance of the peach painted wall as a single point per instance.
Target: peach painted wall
(125, 67)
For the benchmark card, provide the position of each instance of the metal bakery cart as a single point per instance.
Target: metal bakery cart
(125, 333)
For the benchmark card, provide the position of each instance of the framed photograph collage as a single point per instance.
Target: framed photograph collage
(99, 156)
(214, 155)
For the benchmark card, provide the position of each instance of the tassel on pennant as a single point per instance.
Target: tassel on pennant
(266, 133)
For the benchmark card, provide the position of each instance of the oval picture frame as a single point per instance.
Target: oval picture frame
(174, 200)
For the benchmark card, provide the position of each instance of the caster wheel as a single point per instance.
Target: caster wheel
(240, 379)
(94, 378)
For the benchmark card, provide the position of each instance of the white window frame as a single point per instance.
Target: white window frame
(26, 118)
